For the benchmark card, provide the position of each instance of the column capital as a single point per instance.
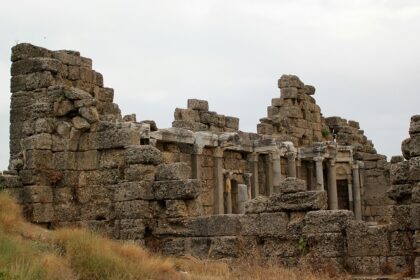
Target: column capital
(318, 158)
(291, 155)
(218, 152)
(276, 155)
(197, 150)
(355, 166)
(253, 157)
(331, 162)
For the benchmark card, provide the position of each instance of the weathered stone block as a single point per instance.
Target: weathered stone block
(400, 217)
(249, 224)
(414, 125)
(363, 240)
(300, 201)
(145, 154)
(289, 92)
(401, 243)
(326, 245)
(256, 205)
(232, 122)
(173, 171)
(327, 221)
(176, 208)
(133, 209)
(292, 185)
(37, 194)
(275, 248)
(414, 169)
(10, 181)
(131, 229)
(38, 64)
(273, 224)
(41, 141)
(40, 212)
(415, 195)
(400, 193)
(363, 265)
(187, 115)
(399, 173)
(289, 81)
(25, 50)
(38, 159)
(410, 147)
(224, 247)
(139, 172)
(176, 189)
(63, 107)
(132, 191)
(199, 105)
(98, 210)
(174, 246)
(117, 138)
(89, 113)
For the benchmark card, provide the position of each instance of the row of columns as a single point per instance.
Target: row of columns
(274, 177)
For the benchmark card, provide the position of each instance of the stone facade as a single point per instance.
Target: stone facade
(304, 189)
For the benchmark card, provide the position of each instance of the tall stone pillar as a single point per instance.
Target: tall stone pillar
(319, 173)
(242, 198)
(356, 193)
(332, 186)
(253, 158)
(310, 175)
(228, 196)
(350, 192)
(269, 175)
(218, 181)
(276, 171)
(291, 164)
(196, 163)
(298, 165)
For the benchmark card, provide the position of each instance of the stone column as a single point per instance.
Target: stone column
(242, 198)
(310, 170)
(196, 163)
(291, 164)
(356, 193)
(332, 186)
(228, 196)
(269, 175)
(350, 190)
(319, 173)
(253, 158)
(218, 181)
(276, 170)
(298, 165)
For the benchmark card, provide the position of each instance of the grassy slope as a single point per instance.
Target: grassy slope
(31, 252)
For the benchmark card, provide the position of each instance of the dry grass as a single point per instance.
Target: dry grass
(31, 252)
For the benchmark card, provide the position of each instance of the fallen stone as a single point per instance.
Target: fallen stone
(300, 201)
(292, 185)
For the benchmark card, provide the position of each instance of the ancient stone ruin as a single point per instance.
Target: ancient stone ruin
(304, 189)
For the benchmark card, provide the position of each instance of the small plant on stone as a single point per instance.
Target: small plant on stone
(302, 245)
(325, 132)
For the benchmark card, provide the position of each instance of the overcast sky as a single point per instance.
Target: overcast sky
(363, 56)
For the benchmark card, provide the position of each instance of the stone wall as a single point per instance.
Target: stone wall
(295, 116)
(76, 161)
(374, 170)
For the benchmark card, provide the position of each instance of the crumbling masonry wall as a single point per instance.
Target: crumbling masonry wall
(74, 160)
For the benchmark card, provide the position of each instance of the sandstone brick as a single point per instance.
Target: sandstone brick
(40, 212)
(399, 172)
(145, 154)
(327, 221)
(292, 185)
(414, 169)
(224, 247)
(199, 105)
(176, 189)
(173, 171)
(37, 194)
(25, 50)
(289, 81)
(410, 147)
(300, 201)
(273, 224)
(366, 241)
